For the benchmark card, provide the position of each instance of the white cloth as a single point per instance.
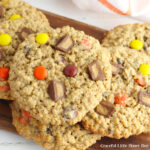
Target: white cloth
(139, 9)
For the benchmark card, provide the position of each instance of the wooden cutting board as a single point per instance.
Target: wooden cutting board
(135, 142)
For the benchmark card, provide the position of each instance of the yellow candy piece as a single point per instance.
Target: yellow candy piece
(14, 17)
(136, 44)
(5, 39)
(42, 38)
(4, 2)
(144, 69)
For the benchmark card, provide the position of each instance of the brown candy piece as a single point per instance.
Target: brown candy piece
(56, 90)
(115, 68)
(69, 113)
(1, 11)
(95, 71)
(65, 44)
(105, 108)
(144, 98)
(24, 33)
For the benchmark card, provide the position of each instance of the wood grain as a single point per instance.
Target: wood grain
(135, 142)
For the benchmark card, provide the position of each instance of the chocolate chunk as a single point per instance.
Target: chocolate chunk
(65, 44)
(95, 71)
(69, 113)
(24, 33)
(56, 90)
(116, 68)
(1, 11)
(144, 98)
(2, 57)
(105, 108)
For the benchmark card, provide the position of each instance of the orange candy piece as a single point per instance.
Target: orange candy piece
(23, 121)
(4, 73)
(26, 114)
(85, 42)
(40, 73)
(140, 81)
(120, 98)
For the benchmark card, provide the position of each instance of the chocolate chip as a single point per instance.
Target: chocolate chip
(116, 68)
(65, 44)
(49, 131)
(105, 94)
(95, 71)
(145, 38)
(145, 47)
(105, 108)
(62, 59)
(1, 11)
(56, 90)
(2, 57)
(27, 51)
(69, 113)
(120, 61)
(24, 33)
(144, 98)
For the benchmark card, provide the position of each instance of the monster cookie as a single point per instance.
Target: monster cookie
(59, 77)
(52, 137)
(125, 109)
(135, 36)
(17, 9)
(13, 32)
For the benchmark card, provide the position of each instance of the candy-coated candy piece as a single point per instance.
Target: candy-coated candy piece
(144, 69)
(5, 39)
(40, 73)
(120, 98)
(136, 44)
(4, 73)
(14, 17)
(26, 114)
(5, 88)
(4, 2)
(42, 38)
(86, 42)
(140, 81)
(70, 71)
(23, 121)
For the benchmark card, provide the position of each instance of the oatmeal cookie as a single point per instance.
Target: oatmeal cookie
(59, 77)
(52, 137)
(125, 108)
(18, 9)
(12, 33)
(134, 36)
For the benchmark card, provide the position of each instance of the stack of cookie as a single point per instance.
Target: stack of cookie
(69, 89)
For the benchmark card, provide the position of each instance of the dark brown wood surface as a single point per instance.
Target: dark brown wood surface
(141, 142)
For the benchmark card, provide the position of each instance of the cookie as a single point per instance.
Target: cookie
(52, 137)
(59, 77)
(18, 9)
(10, 3)
(12, 33)
(134, 36)
(125, 109)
